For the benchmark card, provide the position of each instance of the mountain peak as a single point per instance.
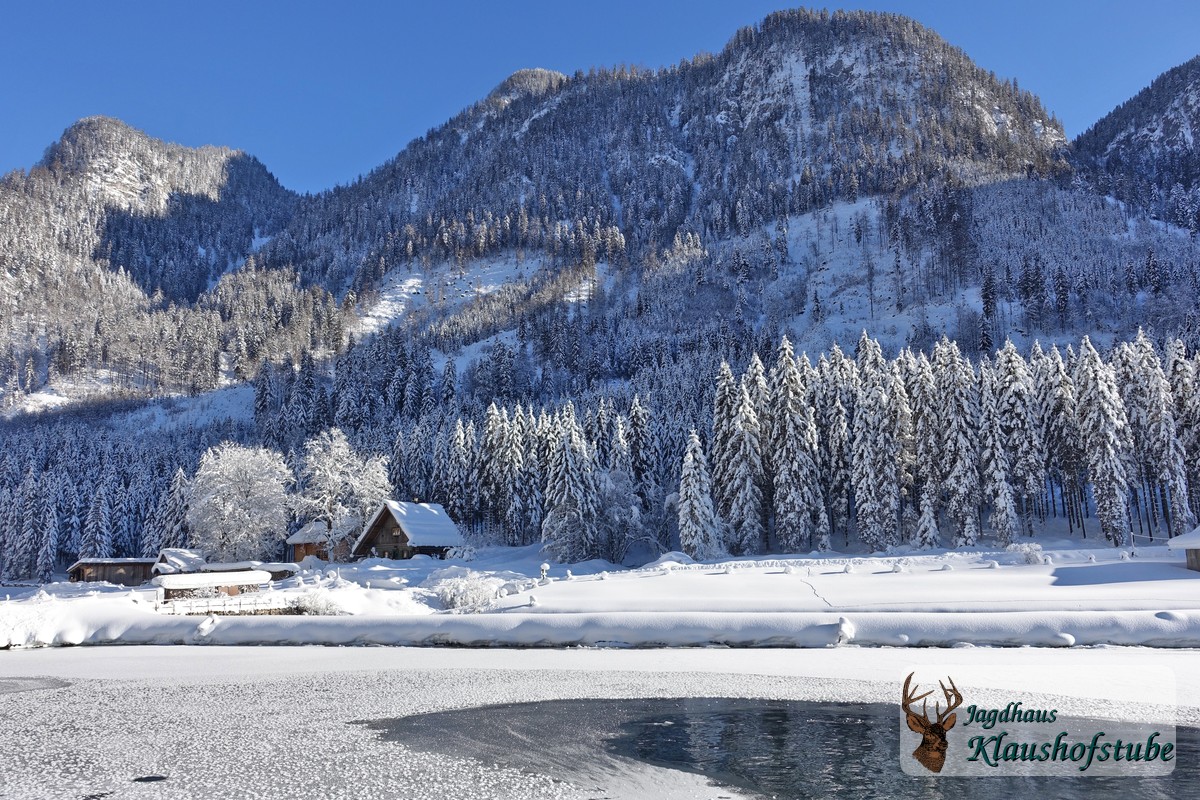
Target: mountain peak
(535, 82)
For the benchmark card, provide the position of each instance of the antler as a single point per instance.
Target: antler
(954, 699)
(910, 698)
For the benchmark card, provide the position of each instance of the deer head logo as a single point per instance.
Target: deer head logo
(931, 754)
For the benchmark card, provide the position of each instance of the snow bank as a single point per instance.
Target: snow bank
(34, 625)
(1085, 597)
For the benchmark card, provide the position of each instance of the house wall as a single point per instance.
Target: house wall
(120, 574)
(302, 551)
(1193, 559)
(388, 539)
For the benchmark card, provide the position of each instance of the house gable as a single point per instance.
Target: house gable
(401, 530)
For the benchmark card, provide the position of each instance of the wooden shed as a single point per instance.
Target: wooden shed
(122, 571)
(311, 540)
(178, 560)
(404, 530)
(1189, 543)
(210, 584)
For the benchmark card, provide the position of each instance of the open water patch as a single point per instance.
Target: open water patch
(772, 748)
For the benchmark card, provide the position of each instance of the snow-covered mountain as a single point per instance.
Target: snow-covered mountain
(801, 110)
(1145, 151)
(115, 251)
(174, 218)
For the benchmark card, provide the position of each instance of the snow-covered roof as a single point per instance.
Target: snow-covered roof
(95, 561)
(425, 524)
(238, 566)
(211, 580)
(172, 560)
(315, 532)
(1188, 541)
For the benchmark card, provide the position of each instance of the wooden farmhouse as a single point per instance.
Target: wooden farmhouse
(122, 571)
(1189, 543)
(210, 584)
(404, 530)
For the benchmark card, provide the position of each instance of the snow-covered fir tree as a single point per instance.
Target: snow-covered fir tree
(746, 530)
(699, 528)
(1104, 434)
(875, 469)
(994, 464)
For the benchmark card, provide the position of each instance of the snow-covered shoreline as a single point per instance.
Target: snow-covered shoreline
(1070, 597)
(93, 626)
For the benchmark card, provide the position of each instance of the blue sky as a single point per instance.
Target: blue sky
(322, 92)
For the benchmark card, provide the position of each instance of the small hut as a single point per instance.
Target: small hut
(404, 530)
(122, 571)
(1189, 543)
(177, 561)
(211, 584)
(311, 540)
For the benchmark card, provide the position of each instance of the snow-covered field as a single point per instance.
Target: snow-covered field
(279, 722)
(1071, 596)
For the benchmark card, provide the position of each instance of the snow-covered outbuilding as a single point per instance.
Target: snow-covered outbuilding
(403, 530)
(178, 560)
(1189, 543)
(122, 571)
(278, 570)
(211, 584)
(311, 540)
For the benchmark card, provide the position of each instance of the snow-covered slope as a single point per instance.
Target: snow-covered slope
(1146, 152)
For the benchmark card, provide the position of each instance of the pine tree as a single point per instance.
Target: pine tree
(620, 506)
(643, 446)
(928, 414)
(1017, 414)
(1062, 436)
(745, 509)
(800, 517)
(699, 530)
(24, 541)
(957, 385)
(926, 534)
(97, 531)
(1104, 434)
(572, 495)
(874, 473)
(900, 422)
(122, 521)
(48, 551)
(1161, 450)
(725, 409)
(530, 482)
(175, 520)
(994, 460)
(458, 475)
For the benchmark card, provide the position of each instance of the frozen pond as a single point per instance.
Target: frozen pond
(288, 722)
(769, 748)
